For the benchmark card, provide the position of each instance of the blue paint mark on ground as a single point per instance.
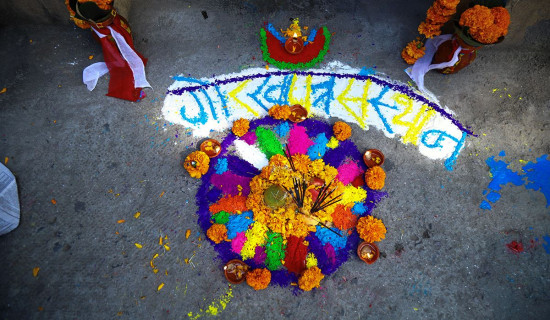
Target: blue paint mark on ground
(538, 176)
(546, 244)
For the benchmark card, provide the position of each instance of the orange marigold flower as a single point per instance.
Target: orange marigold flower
(258, 279)
(240, 127)
(442, 10)
(311, 278)
(343, 218)
(197, 164)
(278, 160)
(217, 233)
(413, 51)
(477, 17)
(230, 204)
(371, 229)
(301, 162)
(488, 35)
(502, 19)
(375, 178)
(279, 112)
(449, 4)
(408, 59)
(102, 4)
(435, 17)
(429, 30)
(342, 130)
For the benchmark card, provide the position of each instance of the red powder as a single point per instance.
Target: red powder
(358, 181)
(310, 52)
(230, 204)
(343, 218)
(516, 247)
(295, 256)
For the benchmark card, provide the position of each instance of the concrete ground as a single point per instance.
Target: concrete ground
(104, 159)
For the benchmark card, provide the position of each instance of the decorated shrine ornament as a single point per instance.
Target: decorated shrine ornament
(297, 113)
(373, 158)
(211, 147)
(294, 45)
(368, 252)
(235, 271)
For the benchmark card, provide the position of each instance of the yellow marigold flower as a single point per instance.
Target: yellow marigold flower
(375, 178)
(279, 112)
(477, 17)
(240, 127)
(413, 51)
(301, 162)
(311, 278)
(217, 233)
(316, 166)
(278, 160)
(371, 229)
(342, 130)
(258, 279)
(197, 164)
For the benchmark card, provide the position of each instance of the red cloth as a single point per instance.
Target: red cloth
(121, 83)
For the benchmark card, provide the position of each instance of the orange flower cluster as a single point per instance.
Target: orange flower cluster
(230, 204)
(258, 279)
(102, 4)
(371, 229)
(279, 112)
(438, 14)
(375, 178)
(342, 130)
(413, 51)
(311, 278)
(343, 218)
(486, 25)
(240, 127)
(217, 233)
(197, 164)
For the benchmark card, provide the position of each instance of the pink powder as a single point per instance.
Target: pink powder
(298, 141)
(228, 182)
(250, 137)
(348, 171)
(237, 243)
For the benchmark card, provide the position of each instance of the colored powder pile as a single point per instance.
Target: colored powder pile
(221, 166)
(221, 217)
(359, 209)
(282, 129)
(327, 236)
(275, 250)
(249, 137)
(299, 141)
(260, 255)
(343, 218)
(251, 154)
(538, 176)
(348, 171)
(311, 260)
(238, 223)
(268, 143)
(502, 175)
(237, 243)
(230, 204)
(353, 194)
(230, 183)
(215, 307)
(296, 252)
(333, 143)
(318, 149)
(255, 237)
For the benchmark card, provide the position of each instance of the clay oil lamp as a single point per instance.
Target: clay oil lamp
(294, 45)
(368, 252)
(235, 271)
(275, 196)
(297, 113)
(373, 158)
(211, 147)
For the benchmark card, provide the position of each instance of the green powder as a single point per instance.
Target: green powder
(268, 142)
(275, 250)
(221, 217)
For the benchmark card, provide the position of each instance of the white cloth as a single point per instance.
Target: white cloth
(9, 201)
(92, 73)
(423, 65)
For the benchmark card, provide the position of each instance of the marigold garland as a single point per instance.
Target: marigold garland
(240, 127)
(217, 233)
(371, 229)
(342, 131)
(258, 279)
(375, 178)
(279, 112)
(311, 278)
(197, 164)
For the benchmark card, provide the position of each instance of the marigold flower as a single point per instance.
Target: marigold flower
(279, 112)
(375, 178)
(301, 162)
(197, 164)
(240, 127)
(311, 278)
(413, 51)
(487, 35)
(442, 10)
(342, 130)
(429, 30)
(258, 279)
(217, 233)
(371, 229)
(502, 19)
(477, 17)
(436, 17)
(450, 4)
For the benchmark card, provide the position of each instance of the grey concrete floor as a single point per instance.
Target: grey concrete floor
(104, 159)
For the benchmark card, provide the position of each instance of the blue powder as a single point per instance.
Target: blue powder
(366, 72)
(538, 176)
(502, 153)
(221, 166)
(238, 223)
(493, 197)
(327, 236)
(282, 129)
(318, 149)
(485, 205)
(546, 245)
(358, 209)
(501, 174)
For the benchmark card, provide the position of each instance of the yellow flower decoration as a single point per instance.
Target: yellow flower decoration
(375, 178)
(217, 233)
(197, 164)
(342, 130)
(311, 278)
(413, 51)
(371, 229)
(240, 127)
(279, 112)
(258, 279)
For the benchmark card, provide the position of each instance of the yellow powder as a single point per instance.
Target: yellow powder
(214, 308)
(255, 237)
(353, 194)
(333, 143)
(311, 260)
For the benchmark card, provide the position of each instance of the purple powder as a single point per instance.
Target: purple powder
(250, 137)
(228, 182)
(260, 255)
